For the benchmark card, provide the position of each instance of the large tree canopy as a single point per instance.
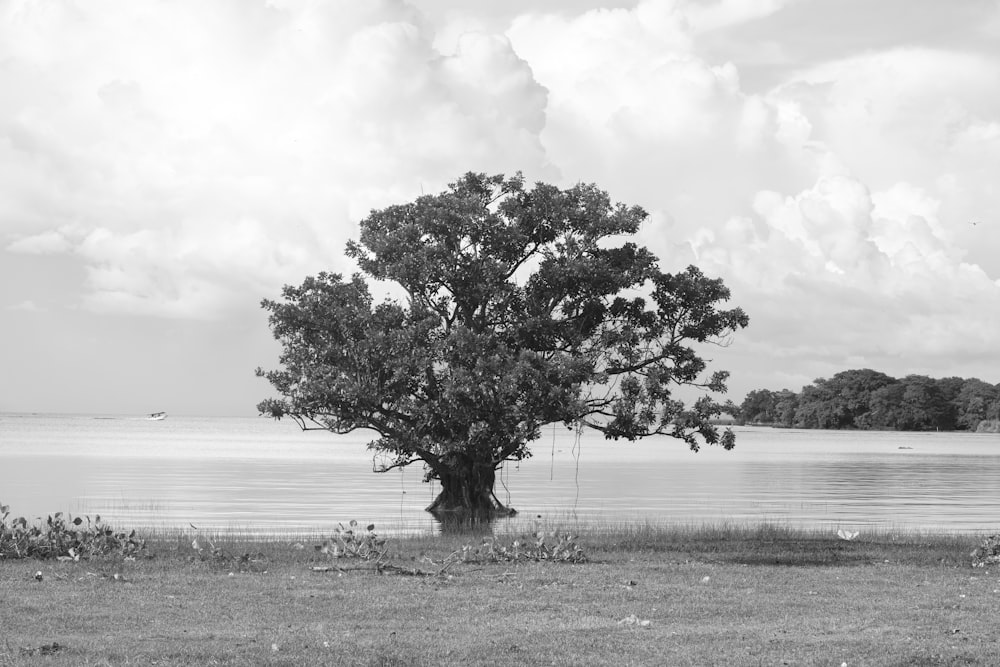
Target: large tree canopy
(524, 307)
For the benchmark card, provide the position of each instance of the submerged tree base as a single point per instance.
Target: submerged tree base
(461, 520)
(462, 505)
(466, 499)
(449, 514)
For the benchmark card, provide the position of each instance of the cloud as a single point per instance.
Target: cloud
(633, 106)
(836, 206)
(916, 115)
(841, 276)
(703, 17)
(138, 272)
(191, 177)
(918, 102)
(48, 242)
(27, 306)
(206, 171)
(836, 265)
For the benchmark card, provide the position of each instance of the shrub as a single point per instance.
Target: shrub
(553, 546)
(64, 538)
(216, 556)
(988, 553)
(351, 542)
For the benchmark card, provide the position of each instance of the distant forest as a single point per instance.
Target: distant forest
(867, 399)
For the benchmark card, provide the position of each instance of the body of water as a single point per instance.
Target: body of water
(261, 476)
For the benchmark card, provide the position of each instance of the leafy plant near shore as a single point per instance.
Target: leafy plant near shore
(352, 542)
(64, 538)
(208, 551)
(552, 546)
(987, 553)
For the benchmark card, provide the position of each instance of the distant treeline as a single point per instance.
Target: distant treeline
(867, 399)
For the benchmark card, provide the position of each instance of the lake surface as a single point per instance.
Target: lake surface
(260, 476)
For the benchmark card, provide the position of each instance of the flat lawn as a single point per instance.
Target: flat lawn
(647, 596)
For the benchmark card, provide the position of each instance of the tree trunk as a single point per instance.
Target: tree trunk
(466, 496)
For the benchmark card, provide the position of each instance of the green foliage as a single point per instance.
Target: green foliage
(524, 307)
(987, 553)
(64, 538)
(867, 399)
(976, 402)
(541, 546)
(207, 551)
(759, 407)
(352, 542)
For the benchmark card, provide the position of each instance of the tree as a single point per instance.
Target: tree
(820, 406)
(843, 401)
(523, 308)
(948, 389)
(924, 404)
(855, 391)
(911, 404)
(887, 411)
(759, 407)
(976, 402)
(788, 402)
(868, 399)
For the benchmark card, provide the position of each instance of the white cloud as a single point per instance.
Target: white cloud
(724, 13)
(27, 306)
(928, 117)
(48, 242)
(834, 276)
(632, 106)
(194, 156)
(213, 168)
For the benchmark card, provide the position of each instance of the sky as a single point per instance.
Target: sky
(165, 166)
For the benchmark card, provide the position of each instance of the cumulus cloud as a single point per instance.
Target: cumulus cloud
(840, 277)
(835, 205)
(634, 107)
(915, 115)
(723, 13)
(47, 242)
(198, 169)
(193, 157)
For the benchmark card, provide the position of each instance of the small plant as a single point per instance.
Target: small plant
(352, 542)
(208, 551)
(987, 553)
(64, 538)
(552, 546)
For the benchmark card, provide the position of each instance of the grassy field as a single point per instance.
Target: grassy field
(647, 595)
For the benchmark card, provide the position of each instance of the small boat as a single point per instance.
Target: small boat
(157, 416)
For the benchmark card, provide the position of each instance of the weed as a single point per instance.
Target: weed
(351, 542)
(366, 545)
(64, 538)
(207, 550)
(988, 553)
(548, 546)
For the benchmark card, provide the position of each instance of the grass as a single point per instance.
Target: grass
(649, 594)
